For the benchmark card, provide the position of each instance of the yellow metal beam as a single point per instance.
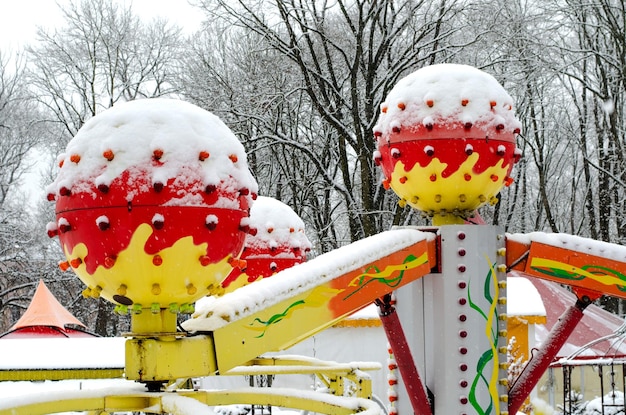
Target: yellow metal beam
(159, 360)
(17, 375)
(154, 402)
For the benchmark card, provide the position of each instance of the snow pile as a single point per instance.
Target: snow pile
(163, 139)
(214, 313)
(523, 299)
(447, 94)
(574, 243)
(274, 226)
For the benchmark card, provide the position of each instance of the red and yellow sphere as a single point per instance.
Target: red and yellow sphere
(276, 241)
(152, 200)
(446, 141)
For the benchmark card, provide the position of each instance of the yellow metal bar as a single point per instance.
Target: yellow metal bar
(159, 360)
(153, 402)
(17, 375)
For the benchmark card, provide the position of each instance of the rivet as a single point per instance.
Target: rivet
(191, 290)
(402, 203)
(157, 186)
(460, 235)
(437, 198)
(462, 301)
(463, 383)
(156, 289)
(502, 300)
(462, 284)
(462, 334)
(461, 268)
(122, 289)
(462, 198)
(467, 125)
(461, 251)
(463, 400)
(415, 199)
(210, 188)
(463, 350)
(462, 367)
(462, 317)
(395, 129)
(103, 188)
(64, 191)
(482, 198)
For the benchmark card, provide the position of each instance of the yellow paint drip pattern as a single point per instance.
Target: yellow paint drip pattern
(134, 269)
(436, 193)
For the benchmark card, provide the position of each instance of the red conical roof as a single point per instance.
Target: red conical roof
(45, 310)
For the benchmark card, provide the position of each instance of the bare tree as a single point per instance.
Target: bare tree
(102, 54)
(339, 59)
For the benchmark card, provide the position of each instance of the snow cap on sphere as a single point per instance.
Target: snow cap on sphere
(447, 93)
(129, 134)
(276, 225)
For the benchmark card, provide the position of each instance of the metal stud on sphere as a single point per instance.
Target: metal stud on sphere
(136, 220)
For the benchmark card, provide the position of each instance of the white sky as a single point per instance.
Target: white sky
(19, 18)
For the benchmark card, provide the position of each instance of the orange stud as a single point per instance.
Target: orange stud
(402, 179)
(492, 103)
(291, 230)
(75, 263)
(402, 106)
(108, 154)
(157, 154)
(64, 265)
(430, 102)
(387, 183)
(508, 181)
(233, 158)
(494, 178)
(270, 230)
(61, 163)
(75, 158)
(157, 260)
(383, 109)
(464, 102)
(433, 177)
(467, 177)
(203, 155)
(64, 191)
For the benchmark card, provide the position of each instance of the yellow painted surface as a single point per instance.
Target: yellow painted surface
(447, 193)
(181, 278)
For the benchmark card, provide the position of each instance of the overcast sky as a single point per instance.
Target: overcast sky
(19, 18)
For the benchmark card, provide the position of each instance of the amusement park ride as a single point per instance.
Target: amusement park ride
(152, 205)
